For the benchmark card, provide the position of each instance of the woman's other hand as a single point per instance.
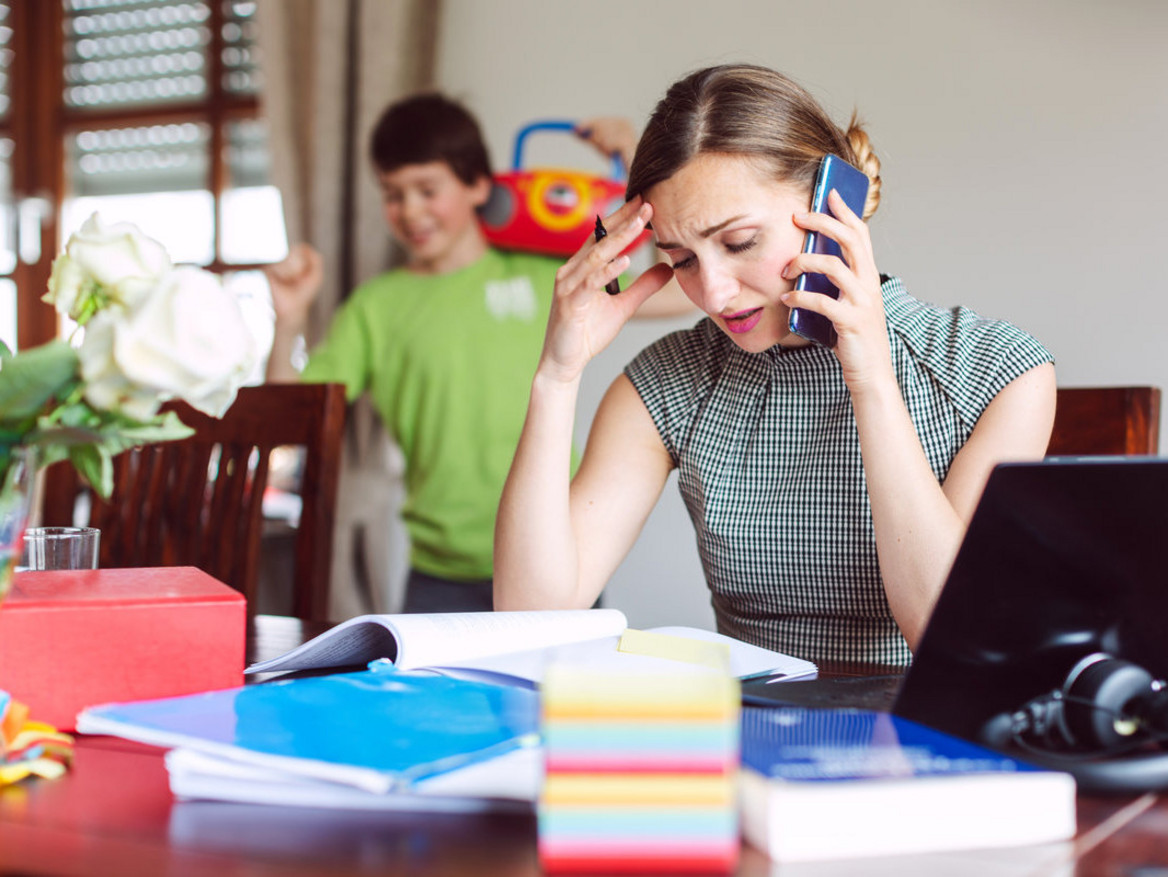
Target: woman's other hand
(584, 318)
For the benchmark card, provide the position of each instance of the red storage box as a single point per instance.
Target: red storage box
(73, 639)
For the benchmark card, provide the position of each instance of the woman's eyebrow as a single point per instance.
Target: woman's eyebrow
(713, 229)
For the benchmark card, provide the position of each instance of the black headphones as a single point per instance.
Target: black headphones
(1099, 726)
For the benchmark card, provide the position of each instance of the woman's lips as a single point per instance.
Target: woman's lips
(743, 321)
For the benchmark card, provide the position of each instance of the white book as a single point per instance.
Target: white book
(834, 784)
(511, 647)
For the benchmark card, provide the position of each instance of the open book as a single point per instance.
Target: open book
(511, 647)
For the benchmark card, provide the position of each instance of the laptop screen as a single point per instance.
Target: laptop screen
(1062, 558)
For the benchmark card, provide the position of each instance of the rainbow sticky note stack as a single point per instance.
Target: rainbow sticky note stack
(640, 771)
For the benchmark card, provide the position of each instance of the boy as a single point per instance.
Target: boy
(446, 346)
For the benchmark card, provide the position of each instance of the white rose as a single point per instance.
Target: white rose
(187, 339)
(106, 386)
(65, 286)
(115, 257)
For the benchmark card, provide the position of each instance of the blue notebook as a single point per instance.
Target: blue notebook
(830, 745)
(821, 783)
(378, 729)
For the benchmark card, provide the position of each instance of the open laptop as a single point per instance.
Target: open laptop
(1062, 558)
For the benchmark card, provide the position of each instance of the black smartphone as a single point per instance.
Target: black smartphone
(852, 184)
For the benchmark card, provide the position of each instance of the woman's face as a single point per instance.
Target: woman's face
(728, 229)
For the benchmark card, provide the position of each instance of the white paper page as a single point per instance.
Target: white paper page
(453, 639)
(509, 781)
(601, 655)
(747, 659)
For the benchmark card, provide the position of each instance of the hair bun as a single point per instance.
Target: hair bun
(865, 160)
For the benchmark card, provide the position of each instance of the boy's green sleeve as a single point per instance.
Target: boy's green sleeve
(343, 356)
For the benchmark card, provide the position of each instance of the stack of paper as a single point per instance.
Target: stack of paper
(504, 783)
(640, 771)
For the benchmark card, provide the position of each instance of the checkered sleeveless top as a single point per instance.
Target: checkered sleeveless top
(769, 466)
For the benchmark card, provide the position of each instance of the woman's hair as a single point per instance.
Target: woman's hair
(752, 111)
(426, 128)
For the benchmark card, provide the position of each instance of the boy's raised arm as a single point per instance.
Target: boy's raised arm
(295, 283)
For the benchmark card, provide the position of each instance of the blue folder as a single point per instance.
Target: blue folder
(380, 729)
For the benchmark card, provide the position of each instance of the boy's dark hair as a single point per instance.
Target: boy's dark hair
(426, 128)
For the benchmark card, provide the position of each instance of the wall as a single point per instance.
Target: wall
(1022, 163)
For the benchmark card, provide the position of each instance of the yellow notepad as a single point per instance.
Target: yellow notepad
(661, 645)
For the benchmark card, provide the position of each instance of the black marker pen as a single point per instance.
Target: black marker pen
(613, 286)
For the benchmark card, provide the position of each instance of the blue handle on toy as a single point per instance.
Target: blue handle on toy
(618, 164)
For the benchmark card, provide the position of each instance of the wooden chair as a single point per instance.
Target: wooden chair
(1090, 421)
(199, 502)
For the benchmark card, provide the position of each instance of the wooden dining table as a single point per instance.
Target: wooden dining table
(113, 814)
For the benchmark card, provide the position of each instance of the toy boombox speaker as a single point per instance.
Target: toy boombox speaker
(548, 210)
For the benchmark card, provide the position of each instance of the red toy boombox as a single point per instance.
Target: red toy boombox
(549, 210)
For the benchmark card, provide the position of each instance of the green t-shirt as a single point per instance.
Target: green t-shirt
(448, 362)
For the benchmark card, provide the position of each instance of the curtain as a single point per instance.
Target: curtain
(329, 68)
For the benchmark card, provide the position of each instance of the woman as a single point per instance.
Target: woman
(829, 488)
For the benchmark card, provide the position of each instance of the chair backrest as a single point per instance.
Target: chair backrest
(1090, 421)
(199, 501)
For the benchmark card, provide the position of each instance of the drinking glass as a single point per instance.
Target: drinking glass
(61, 548)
